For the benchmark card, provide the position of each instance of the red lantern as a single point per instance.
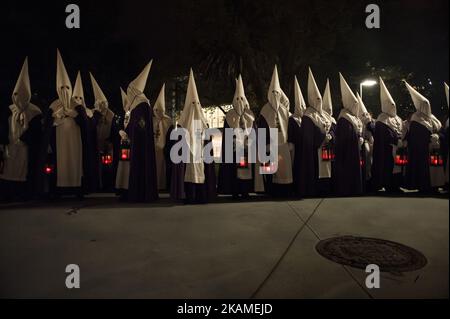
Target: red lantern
(327, 153)
(107, 159)
(436, 158)
(401, 157)
(243, 163)
(362, 162)
(125, 151)
(49, 169)
(268, 168)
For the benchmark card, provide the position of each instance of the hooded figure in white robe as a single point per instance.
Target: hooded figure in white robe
(65, 123)
(161, 124)
(314, 171)
(275, 114)
(349, 130)
(19, 141)
(194, 181)
(104, 126)
(425, 169)
(236, 178)
(142, 184)
(386, 171)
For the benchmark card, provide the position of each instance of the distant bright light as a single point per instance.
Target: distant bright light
(368, 83)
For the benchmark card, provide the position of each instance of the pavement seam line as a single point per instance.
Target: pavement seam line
(343, 266)
(258, 289)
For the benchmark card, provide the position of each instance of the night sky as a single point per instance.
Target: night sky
(117, 38)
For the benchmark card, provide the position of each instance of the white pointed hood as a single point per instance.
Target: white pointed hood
(421, 103)
(78, 92)
(135, 91)
(192, 110)
(99, 96)
(327, 103)
(387, 102)
(362, 107)
(446, 93)
(159, 108)
(314, 97)
(124, 99)
(274, 92)
(194, 122)
(63, 85)
(22, 91)
(240, 116)
(300, 104)
(349, 100)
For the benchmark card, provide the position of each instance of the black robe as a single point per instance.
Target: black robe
(228, 182)
(48, 156)
(383, 159)
(295, 138)
(444, 145)
(91, 158)
(418, 168)
(270, 188)
(308, 165)
(190, 193)
(32, 138)
(143, 181)
(367, 181)
(347, 174)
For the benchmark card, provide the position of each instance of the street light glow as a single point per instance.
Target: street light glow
(368, 83)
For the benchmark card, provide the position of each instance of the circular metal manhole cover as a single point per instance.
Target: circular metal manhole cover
(359, 252)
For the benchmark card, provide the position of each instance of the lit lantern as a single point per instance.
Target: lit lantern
(362, 162)
(268, 168)
(401, 157)
(243, 163)
(436, 158)
(327, 153)
(49, 169)
(107, 159)
(125, 151)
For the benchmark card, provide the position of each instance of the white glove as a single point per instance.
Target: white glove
(434, 141)
(328, 137)
(361, 141)
(123, 135)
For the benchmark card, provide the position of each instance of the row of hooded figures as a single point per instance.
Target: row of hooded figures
(73, 149)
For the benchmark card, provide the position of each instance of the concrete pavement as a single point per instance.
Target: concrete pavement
(260, 249)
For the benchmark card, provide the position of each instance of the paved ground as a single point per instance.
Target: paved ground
(260, 249)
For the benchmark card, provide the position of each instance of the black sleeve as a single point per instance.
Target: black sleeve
(33, 132)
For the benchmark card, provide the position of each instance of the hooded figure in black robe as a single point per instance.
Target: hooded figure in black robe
(91, 171)
(106, 137)
(424, 147)
(193, 180)
(275, 114)
(388, 157)
(348, 175)
(20, 137)
(315, 135)
(295, 135)
(236, 178)
(367, 148)
(142, 184)
(62, 147)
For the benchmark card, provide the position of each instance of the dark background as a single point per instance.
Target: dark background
(220, 39)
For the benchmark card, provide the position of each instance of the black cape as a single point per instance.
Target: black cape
(142, 181)
(228, 182)
(383, 159)
(348, 179)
